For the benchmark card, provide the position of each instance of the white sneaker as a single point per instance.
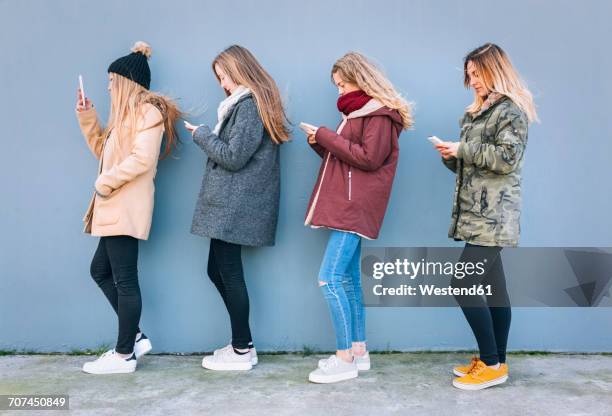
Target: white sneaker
(142, 345)
(333, 370)
(111, 363)
(252, 351)
(225, 359)
(362, 362)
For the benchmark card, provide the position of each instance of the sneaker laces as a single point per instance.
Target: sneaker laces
(108, 353)
(478, 368)
(227, 352)
(473, 363)
(330, 362)
(221, 350)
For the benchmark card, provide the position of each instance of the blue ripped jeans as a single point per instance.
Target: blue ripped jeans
(341, 274)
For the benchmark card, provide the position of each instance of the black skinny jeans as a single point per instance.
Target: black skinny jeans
(225, 271)
(488, 316)
(114, 268)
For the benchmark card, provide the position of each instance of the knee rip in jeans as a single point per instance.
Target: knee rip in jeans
(335, 279)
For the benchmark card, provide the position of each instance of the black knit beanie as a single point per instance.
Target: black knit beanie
(135, 66)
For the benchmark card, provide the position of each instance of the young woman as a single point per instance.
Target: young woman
(121, 208)
(487, 204)
(239, 198)
(350, 198)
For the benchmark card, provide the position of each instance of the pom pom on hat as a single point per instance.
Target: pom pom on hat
(143, 48)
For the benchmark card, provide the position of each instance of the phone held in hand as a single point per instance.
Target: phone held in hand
(307, 128)
(190, 126)
(82, 90)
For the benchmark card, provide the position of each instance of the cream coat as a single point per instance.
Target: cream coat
(123, 203)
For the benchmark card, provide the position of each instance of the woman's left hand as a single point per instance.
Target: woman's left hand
(310, 132)
(448, 149)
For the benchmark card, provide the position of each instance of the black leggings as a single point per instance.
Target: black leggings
(114, 268)
(225, 271)
(488, 316)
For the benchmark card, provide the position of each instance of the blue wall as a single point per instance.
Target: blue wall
(48, 302)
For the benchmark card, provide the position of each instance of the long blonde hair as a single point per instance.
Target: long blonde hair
(127, 102)
(244, 69)
(495, 70)
(359, 70)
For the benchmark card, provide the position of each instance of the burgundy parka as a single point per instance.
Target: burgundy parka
(356, 175)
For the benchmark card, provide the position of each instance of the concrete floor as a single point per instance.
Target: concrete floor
(398, 384)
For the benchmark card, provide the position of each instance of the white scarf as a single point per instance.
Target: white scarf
(226, 105)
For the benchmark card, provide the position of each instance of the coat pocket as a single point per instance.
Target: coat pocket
(106, 211)
(217, 185)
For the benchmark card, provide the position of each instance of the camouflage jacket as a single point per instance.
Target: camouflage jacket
(487, 200)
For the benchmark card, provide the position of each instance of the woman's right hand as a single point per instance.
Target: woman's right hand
(79, 104)
(191, 128)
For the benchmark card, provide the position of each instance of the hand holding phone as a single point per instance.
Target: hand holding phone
(190, 126)
(435, 140)
(309, 129)
(83, 102)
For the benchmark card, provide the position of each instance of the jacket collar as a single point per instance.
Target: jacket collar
(490, 102)
(227, 106)
(368, 108)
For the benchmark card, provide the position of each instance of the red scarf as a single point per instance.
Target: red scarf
(352, 101)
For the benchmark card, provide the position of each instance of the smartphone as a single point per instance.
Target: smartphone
(82, 90)
(190, 126)
(307, 127)
(435, 140)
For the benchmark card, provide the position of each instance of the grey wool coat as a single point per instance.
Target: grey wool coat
(239, 198)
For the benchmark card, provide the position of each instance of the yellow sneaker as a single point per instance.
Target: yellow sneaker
(481, 376)
(461, 371)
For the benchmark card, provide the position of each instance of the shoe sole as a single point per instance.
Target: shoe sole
(360, 366)
(145, 349)
(480, 386)
(227, 367)
(123, 371)
(333, 379)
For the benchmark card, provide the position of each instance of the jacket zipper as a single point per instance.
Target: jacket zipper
(349, 183)
(460, 181)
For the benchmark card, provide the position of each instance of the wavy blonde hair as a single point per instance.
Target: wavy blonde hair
(127, 102)
(495, 70)
(243, 69)
(357, 69)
